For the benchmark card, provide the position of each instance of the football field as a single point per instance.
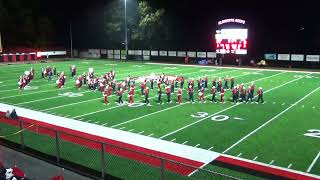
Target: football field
(283, 132)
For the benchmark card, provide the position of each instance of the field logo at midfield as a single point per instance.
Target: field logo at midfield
(31, 87)
(217, 118)
(313, 133)
(70, 94)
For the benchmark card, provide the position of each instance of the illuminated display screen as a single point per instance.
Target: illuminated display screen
(231, 41)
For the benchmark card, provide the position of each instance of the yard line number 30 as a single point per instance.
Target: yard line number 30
(313, 133)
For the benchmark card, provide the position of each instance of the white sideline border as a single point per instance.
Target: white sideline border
(184, 151)
(272, 166)
(230, 67)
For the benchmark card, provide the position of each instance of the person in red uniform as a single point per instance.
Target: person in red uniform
(179, 96)
(260, 95)
(142, 86)
(103, 85)
(213, 92)
(234, 95)
(206, 82)
(131, 95)
(250, 96)
(105, 96)
(120, 93)
(168, 92)
(252, 89)
(146, 96)
(222, 95)
(172, 86)
(201, 95)
(186, 60)
(110, 89)
(232, 82)
(243, 93)
(79, 82)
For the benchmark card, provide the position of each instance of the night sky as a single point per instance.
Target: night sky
(274, 26)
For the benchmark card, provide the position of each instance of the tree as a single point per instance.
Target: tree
(146, 26)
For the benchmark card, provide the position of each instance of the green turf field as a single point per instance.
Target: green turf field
(285, 131)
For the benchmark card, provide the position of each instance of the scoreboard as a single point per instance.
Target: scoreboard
(231, 41)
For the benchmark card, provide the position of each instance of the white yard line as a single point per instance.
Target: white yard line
(131, 130)
(200, 120)
(185, 142)
(210, 148)
(173, 139)
(255, 158)
(289, 166)
(313, 162)
(71, 104)
(271, 162)
(141, 132)
(150, 134)
(122, 128)
(266, 123)
(239, 154)
(197, 145)
(104, 124)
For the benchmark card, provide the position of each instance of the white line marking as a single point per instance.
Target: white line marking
(255, 158)
(71, 104)
(173, 139)
(97, 122)
(283, 104)
(210, 148)
(141, 132)
(313, 162)
(131, 130)
(150, 134)
(239, 154)
(271, 162)
(104, 124)
(289, 166)
(266, 123)
(197, 145)
(122, 127)
(185, 142)
(88, 121)
(80, 119)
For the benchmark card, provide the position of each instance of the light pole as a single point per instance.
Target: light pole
(125, 26)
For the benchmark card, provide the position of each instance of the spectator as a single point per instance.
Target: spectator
(13, 114)
(8, 114)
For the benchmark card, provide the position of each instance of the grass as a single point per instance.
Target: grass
(282, 140)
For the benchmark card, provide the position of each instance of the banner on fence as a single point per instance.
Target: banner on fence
(192, 54)
(182, 54)
(146, 52)
(313, 58)
(297, 57)
(116, 52)
(211, 54)
(172, 53)
(284, 57)
(270, 56)
(103, 51)
(201, 54)
(163, 53)
(154, 53)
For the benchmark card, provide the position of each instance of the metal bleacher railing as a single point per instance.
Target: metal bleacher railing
(89, 155)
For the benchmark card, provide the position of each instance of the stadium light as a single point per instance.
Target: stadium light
(125, 26)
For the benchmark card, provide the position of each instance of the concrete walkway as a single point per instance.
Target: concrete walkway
(35, 169)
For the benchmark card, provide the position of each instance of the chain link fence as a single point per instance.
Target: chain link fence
(106, 159)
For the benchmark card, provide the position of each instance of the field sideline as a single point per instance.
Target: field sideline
(283, 132)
